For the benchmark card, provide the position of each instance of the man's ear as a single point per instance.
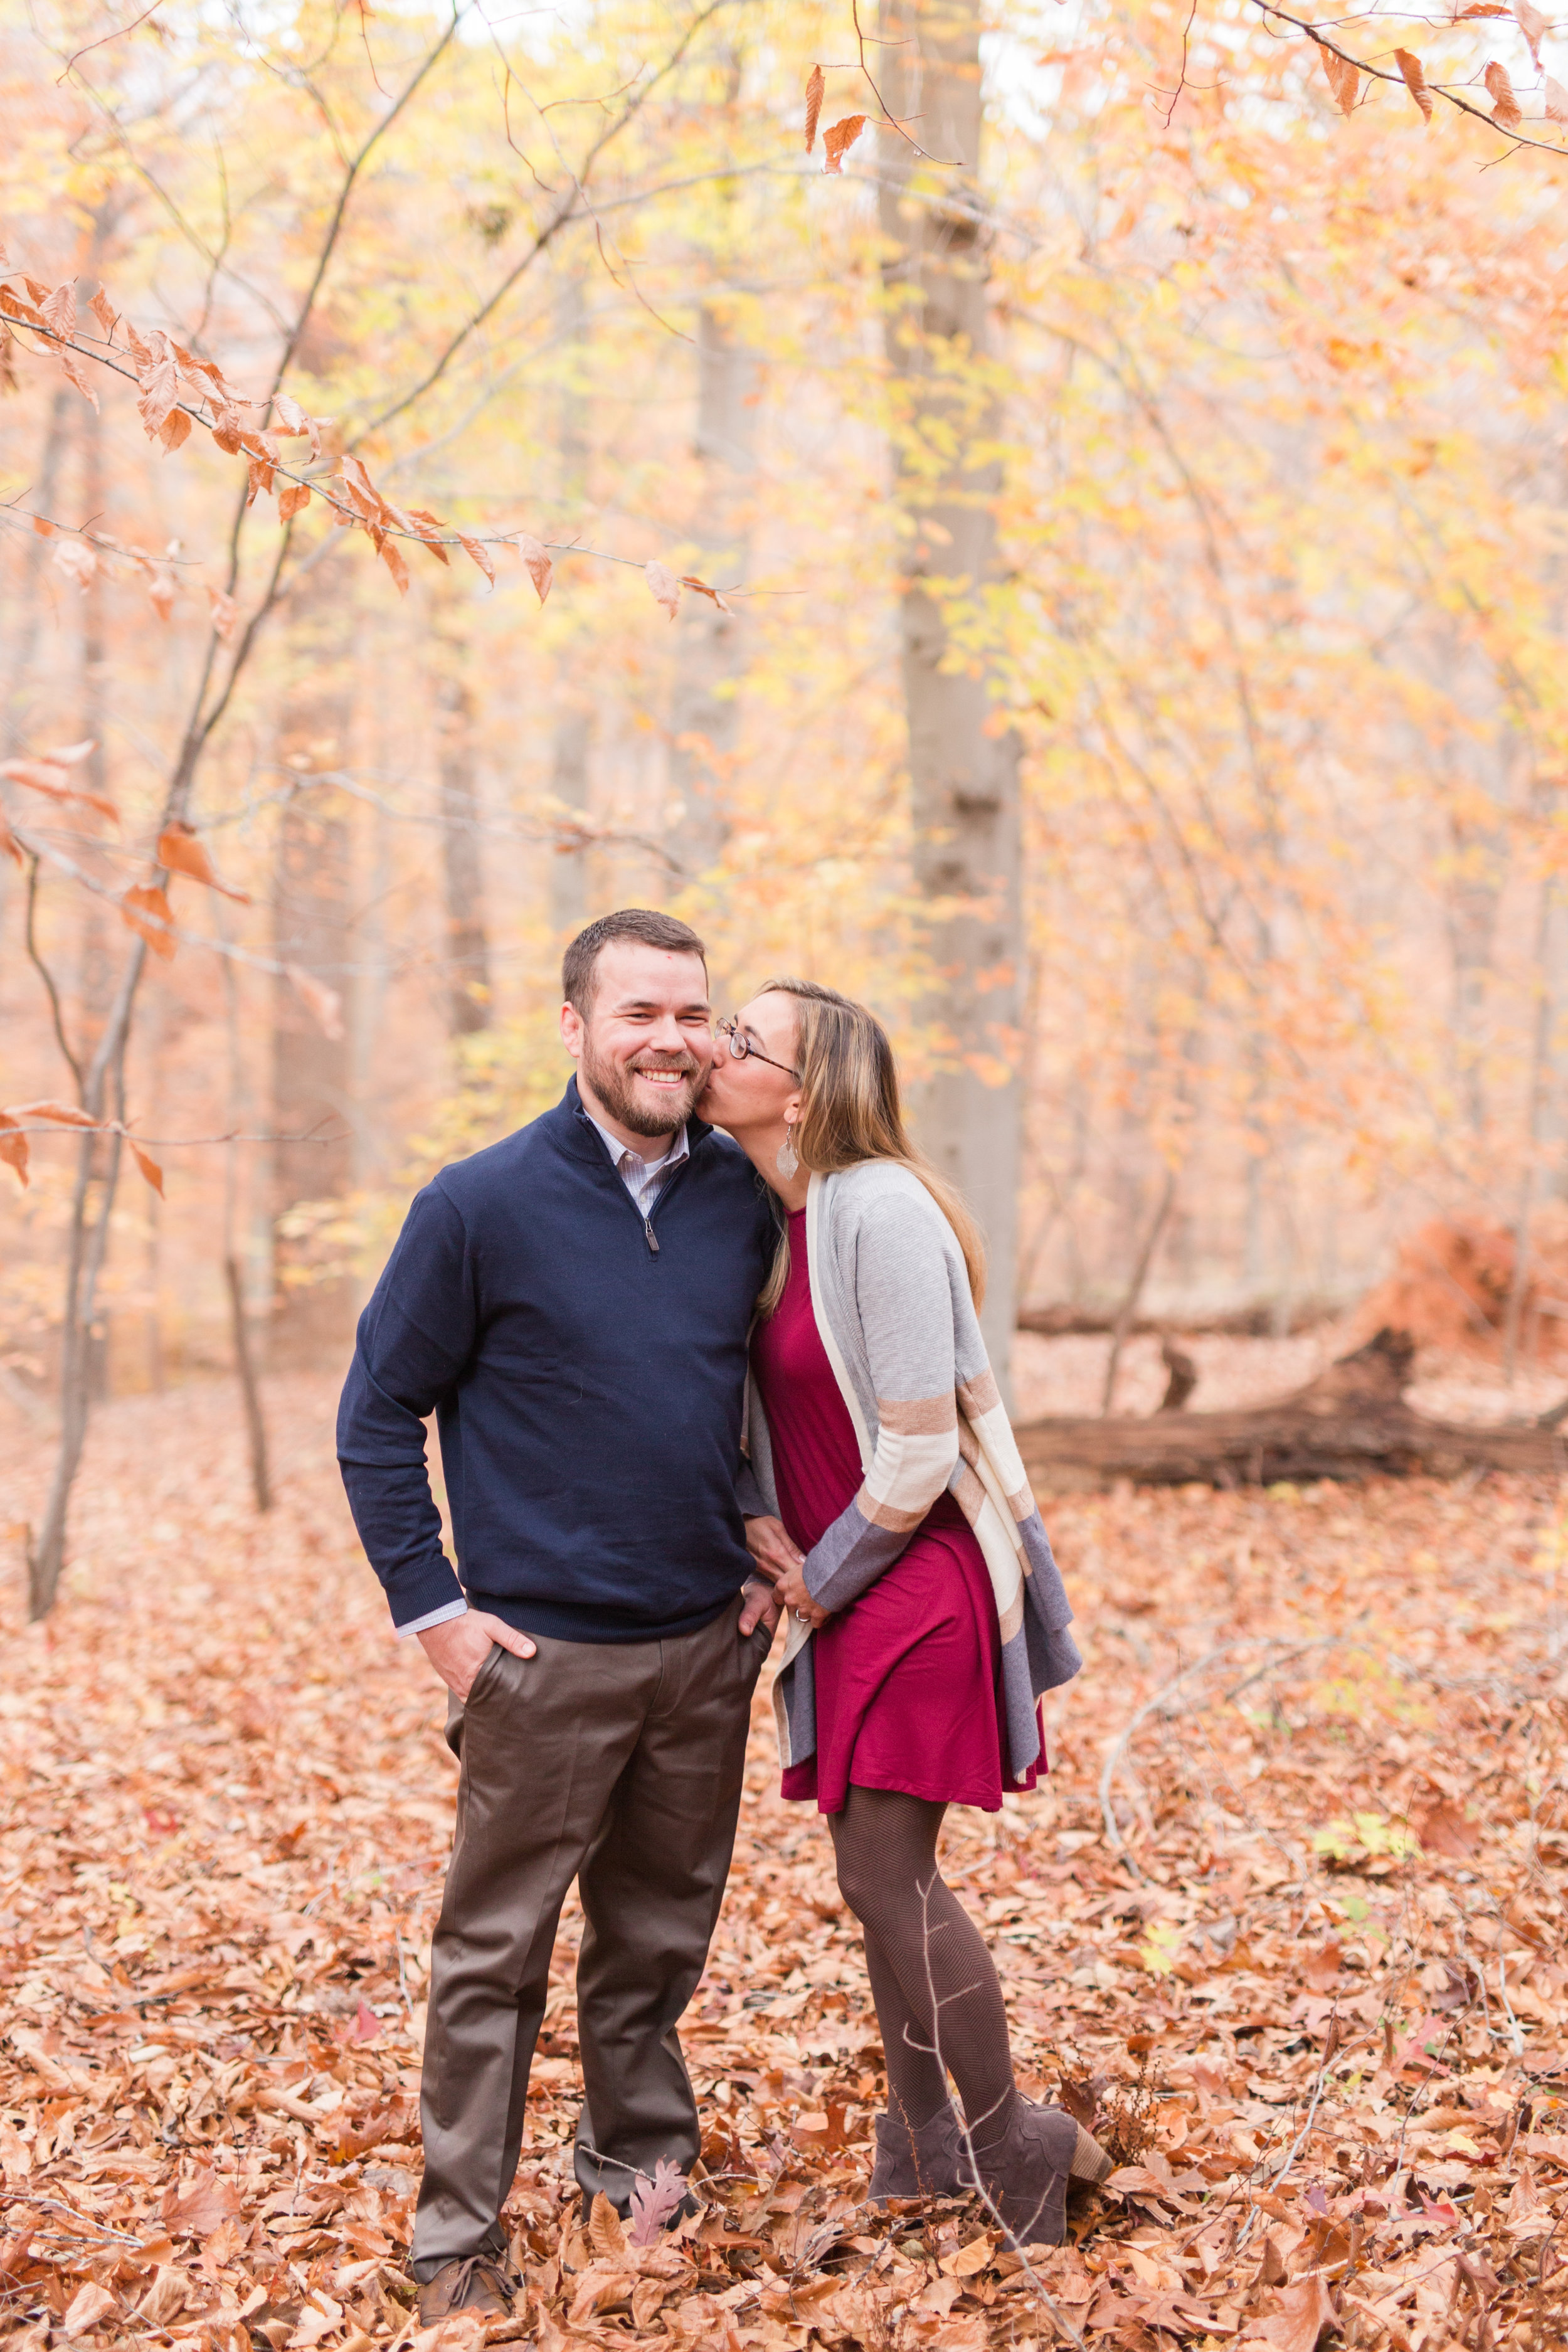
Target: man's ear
(572, 1028)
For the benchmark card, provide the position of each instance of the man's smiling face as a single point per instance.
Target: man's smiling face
(645, 1049)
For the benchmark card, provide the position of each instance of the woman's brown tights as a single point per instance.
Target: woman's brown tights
(939, 2000)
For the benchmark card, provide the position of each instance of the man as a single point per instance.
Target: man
(573, 1306)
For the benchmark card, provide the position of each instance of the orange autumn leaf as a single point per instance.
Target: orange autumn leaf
(13, 1148)
(1344, 79)
(148, 1167)
(838, 138)
(58, 1114)
(180, 850)
(1410, 65)
(814, 89)
(1506, 111)
(689, 580)
(292, 499)
(146, 908)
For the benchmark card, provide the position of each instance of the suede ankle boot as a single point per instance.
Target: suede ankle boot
(1024, 2166)
(923, 2163)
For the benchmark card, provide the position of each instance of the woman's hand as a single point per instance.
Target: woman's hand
(782, 1559)
(791, 1589)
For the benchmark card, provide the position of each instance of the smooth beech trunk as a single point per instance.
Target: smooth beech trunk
(705, 710)
(964, 764)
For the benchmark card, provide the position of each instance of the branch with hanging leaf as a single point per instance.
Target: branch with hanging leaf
(1345, 73)
(177, 392)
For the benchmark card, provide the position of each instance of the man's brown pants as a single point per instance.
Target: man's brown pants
(618, 1764)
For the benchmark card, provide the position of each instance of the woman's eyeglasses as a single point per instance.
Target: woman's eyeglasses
(741, 1047)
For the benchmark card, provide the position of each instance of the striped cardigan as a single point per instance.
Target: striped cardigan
(891, 1300)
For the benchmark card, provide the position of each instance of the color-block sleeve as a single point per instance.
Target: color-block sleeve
(414, 1342)
(904, 1299)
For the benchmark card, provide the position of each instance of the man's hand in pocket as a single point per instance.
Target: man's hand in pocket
(459, 1648)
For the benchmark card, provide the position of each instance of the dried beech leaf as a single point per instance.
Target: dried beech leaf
(838, 138)
(1344, 79)
(1415, 80)
(292, 499)
(58, 1114)
(536, 563)
(73, 373)
(664, 585)
(43, 526)
(689, 580)
(391, 555)
(175, 429)
(604, 2231)
(814, 89)
(477, 552)
(104, 311)
(13, 1149)
(1533, 24)
(1506, 111)
(225, 613)
(1556, 101)
(149, 1167)
(59, 310)
(146, 908)
(180, 850)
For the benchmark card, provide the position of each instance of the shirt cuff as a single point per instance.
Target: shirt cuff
(437, 1617)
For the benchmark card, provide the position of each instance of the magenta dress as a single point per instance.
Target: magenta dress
(909, 1677)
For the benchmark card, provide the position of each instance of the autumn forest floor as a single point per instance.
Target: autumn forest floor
(1290, 1913)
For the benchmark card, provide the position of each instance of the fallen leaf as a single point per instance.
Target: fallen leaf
(1304, 2311)
(196, 2208)
(605, 2235)
(87, 2307)
(363, 2026)
(1442, 1828)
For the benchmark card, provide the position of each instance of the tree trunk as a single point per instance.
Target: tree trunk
(1352, 1422)
(92, 1202)
(710, 656)
(312, 1306)
(569, 784)
(467, 945)
(963, 777)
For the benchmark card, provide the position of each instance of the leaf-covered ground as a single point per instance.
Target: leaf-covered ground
(1290, 1914)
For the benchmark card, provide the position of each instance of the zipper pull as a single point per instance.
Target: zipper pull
(652, 1236)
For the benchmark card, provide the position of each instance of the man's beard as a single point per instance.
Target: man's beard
(612, 1081)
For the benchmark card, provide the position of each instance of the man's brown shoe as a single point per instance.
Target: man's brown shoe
(477, 2282)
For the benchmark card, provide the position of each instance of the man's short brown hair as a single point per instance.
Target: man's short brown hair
(641, 924)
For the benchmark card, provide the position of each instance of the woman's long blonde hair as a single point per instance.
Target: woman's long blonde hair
(850, 1112)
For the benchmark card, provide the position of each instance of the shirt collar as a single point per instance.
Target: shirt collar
(678, 1151)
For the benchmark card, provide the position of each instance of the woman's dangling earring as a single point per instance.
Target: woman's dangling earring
(787, 1160)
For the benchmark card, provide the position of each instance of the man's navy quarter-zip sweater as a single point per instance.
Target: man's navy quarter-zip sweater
(587, 1367)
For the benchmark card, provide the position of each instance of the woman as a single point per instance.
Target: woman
(926, 1611)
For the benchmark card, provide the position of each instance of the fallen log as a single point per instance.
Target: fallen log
(1263, 1320)
(1352, 1422)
